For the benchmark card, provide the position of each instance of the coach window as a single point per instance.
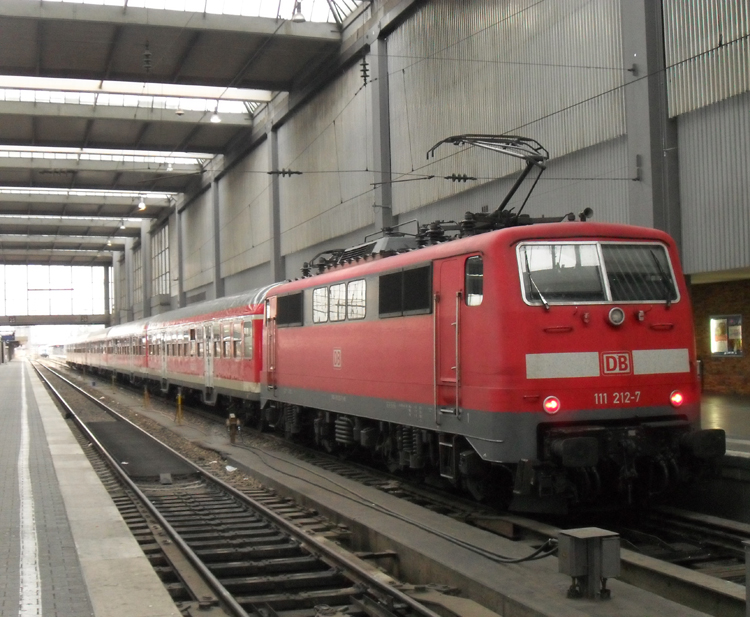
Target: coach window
(237, 339)
(199, 342)
(193, 342)
(320, 305)
(474, 281)
(337, 302)
(217, 340)
(356, 296)
(226, 337)
(248, 339)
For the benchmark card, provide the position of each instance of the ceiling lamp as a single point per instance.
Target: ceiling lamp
(297, 15)
(141, 204)
(215, 118)
(122, 224)
(109, 242)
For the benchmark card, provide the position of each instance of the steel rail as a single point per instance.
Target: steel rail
(223, 596)
(314, 547)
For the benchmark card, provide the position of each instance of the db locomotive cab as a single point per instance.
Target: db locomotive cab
(610, 360)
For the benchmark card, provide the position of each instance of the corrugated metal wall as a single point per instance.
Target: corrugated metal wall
(707, 51)
(328, 140)
(198, 242)
(548, 70)
(244, 226)
(715, 186)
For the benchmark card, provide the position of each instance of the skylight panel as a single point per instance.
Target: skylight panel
(16, 190)
(312, 10)
(98, 154)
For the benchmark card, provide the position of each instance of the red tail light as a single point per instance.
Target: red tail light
(551, 404)
(676, 398)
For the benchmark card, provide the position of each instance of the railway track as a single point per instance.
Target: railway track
(225, 551)
(696, 562)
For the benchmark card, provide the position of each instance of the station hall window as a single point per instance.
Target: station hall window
(725, 335)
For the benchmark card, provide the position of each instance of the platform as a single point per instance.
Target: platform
(66, 551)
(732, 413)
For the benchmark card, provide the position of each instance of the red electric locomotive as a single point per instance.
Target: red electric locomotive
(554, 358)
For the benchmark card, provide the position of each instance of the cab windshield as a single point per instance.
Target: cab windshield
(579, 272)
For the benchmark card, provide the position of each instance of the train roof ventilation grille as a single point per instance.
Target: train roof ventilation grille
(357, 251)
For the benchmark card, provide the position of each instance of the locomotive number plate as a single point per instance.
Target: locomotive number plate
(617, 398)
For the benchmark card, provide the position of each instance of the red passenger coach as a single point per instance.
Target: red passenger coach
(557, 359)
(213, 348)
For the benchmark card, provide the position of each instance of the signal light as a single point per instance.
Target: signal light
(676, 398)
(551, 405)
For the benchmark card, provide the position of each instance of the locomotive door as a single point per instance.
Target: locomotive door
(447, 297)
(208, 356)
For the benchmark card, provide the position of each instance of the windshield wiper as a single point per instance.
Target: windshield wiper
(668, 290)
(531, 280)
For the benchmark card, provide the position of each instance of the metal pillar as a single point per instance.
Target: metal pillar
(218, 282)
(274, 205)
(146, 267)
(181, 295)
(652, 137)
(381, 137)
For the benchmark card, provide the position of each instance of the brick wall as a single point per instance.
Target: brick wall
(722, 375)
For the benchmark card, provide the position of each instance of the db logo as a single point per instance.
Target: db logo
(336, 358)
(616, 363)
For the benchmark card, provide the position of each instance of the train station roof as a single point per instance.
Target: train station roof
(110, 105)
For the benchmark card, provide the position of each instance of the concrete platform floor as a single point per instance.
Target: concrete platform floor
(65, 551)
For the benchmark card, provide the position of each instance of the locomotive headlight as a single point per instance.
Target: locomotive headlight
(676, 398)
(551, 405)
(616, 316)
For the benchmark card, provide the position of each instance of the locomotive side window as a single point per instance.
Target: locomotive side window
(320, 305)
(417, 290)
(289, 310)
(356, 299)
(408, 292)
(474, 281)
(248, 339)
(389, 295)
(337, 302)
(638, 273)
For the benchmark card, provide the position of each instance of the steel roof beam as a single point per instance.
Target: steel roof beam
(82, 243)
(42, 256)
(88, 200)
(111, 112)
(160, 18)
(141, 167)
